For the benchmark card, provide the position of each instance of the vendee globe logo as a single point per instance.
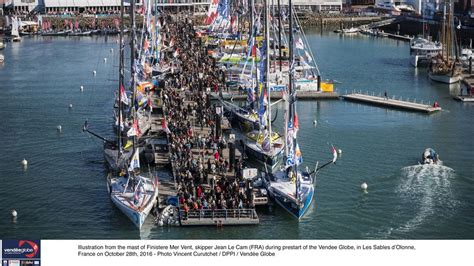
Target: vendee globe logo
(21, 249)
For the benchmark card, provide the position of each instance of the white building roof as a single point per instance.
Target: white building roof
(81, 3)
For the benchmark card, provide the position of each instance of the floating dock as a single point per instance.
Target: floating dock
(300, 95)
(398, 37)
(391, 103)
(466, 98)
(219, 217)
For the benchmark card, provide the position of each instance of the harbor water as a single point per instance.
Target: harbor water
(62, 193)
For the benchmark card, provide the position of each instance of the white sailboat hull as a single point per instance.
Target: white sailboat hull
(448, 79)
(136, 210)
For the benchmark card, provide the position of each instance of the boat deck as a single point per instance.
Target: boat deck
(391, 103)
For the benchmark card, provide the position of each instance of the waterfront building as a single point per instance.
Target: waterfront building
(323, 6)
(88, 6)
(197, 6)
(22, 6)
(363, 2)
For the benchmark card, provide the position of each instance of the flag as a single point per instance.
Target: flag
(250, 95)
(334, 154)
(150, 103)
(308, 56)
(165, 126)
(123, 95)
(134, 162)
(223, 8)
(137, 128)
(131, 132)
(299, 44)
(119, 120)
(295, 125)
(212, 13)
(298, 155)
(176, 53)
(254, 51)
(289, 160)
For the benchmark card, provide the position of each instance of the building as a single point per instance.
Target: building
(196, 6)
(22, 6)
(60, 6)
(100, 6)
(80, 6)
(363, 2)
(323, 6)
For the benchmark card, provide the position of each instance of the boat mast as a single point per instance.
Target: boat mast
(267, 65)
(279, 33)
(250, 6)
(291, 96)
(443, 31)
(121, 79)
(132, 62)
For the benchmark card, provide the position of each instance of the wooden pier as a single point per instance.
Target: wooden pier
(300, 95)
(391, 103)
(219, 217)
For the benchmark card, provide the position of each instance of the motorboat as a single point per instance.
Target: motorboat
(422, 50)
(430, 156)
(351, 30)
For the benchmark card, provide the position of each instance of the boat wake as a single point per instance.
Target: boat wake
(424, 192)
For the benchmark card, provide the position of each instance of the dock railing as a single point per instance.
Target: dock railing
(219, 214)
(391, 96)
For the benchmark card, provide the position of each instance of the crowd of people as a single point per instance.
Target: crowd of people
(201, 171)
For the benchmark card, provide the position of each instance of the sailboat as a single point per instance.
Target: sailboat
(265, 145)
(134, 194)
(15, 30)
(292, 189)
(446, 67)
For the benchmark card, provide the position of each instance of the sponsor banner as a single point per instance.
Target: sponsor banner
(255, 252)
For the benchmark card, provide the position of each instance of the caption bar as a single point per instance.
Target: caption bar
(236, 250)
